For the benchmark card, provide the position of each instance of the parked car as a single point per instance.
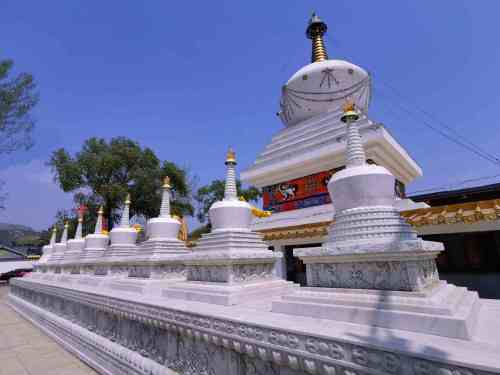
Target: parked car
(15, 273)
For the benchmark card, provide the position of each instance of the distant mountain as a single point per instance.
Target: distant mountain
(16, 235)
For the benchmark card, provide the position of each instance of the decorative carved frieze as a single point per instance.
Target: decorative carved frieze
(190, 343)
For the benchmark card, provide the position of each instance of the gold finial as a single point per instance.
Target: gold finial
(230, 157)
(349, 106)
(101, 210)
(127, 200)
(66, 224)
(54, 230)
(315, 31)
(350, 112)
(166, 183)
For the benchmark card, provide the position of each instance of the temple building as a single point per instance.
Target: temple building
(294, 168)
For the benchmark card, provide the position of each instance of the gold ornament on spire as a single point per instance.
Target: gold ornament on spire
(350, 114)
(230, 157)
(66, 224)
(127, 199)
(54, 230)
(166, 183)
(101, 210)
(315, 31)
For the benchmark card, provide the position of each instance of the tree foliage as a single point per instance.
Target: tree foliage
(17, 99)
(104, 172)
(209, 194)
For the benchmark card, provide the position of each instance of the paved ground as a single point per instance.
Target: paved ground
(25, 350)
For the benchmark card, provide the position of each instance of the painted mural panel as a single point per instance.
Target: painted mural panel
(307, 191)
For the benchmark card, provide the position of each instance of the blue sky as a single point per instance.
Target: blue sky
(190, 78)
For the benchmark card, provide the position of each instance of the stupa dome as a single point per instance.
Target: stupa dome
(324, 85)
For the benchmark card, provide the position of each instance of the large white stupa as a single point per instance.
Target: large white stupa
(294, 168)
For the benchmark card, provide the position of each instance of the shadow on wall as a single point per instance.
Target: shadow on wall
(386, 338)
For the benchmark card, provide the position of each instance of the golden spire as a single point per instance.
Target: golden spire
(230, 157)
(315, 31)
(127, 200)
(66, 224)
(166, 183)
(101, 210)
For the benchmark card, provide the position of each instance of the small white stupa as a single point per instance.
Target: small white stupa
(77, 244)
(374, 270)
(163, 231)
(96, 243)
(48, 249)
(232, 264)
(60, 247)
(123, 237)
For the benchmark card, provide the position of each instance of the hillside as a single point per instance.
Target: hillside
(17, 235)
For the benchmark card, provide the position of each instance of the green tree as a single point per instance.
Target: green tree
(104, 172)
(17, 99)
(209, 194)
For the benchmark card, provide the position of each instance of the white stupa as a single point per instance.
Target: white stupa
(76, 245)
(163, 232)
(97, 242)
(48, 249)
(373, 269)
(232, 264)
(123, 237)
(60, 247)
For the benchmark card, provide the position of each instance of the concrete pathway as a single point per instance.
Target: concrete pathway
(25, 350)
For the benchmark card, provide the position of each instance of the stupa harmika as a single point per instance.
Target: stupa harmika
(373, 305)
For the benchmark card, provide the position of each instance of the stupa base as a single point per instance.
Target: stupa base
(227, 294)
(442, 309)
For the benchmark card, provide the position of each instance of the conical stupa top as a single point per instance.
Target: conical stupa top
(230, 192)
(53, 237)
(125, 220)
(165, 198)
(315, 31)
(78, 233)
(98, 224)
(64, 237)
(355, 154)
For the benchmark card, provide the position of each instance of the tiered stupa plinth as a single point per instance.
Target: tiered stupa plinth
(381, 273)
(231, 264)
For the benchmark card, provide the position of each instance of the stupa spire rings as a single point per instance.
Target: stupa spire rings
(64, 236)
(166, 183)
(125, 219)
(98, 224)
(230, 191)
(355, 154)
(315, 31)
(165, 198)
(78, 233)
(53, 236)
